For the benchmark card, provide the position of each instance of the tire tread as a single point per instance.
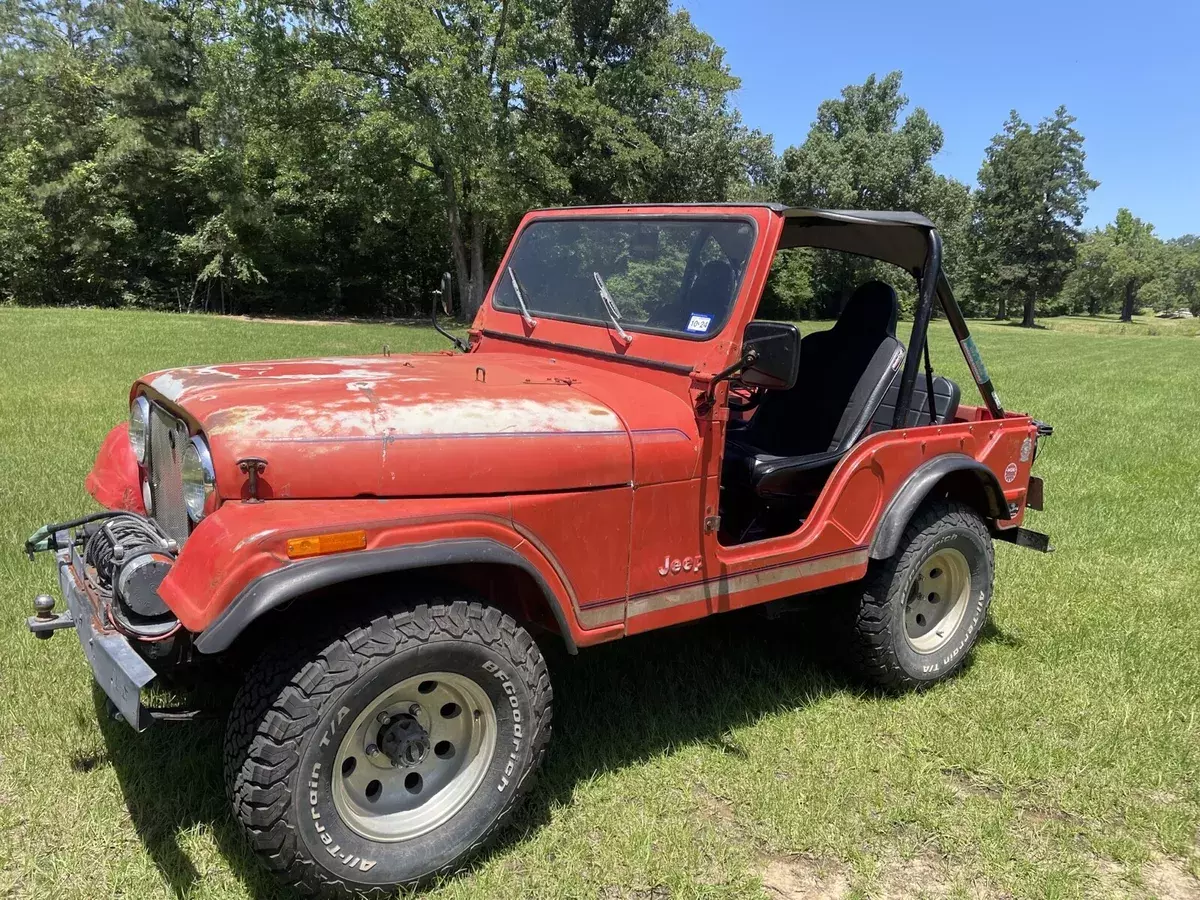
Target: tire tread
(281, 699)
(872, 648)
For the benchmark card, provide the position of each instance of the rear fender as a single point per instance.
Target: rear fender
(969, 481)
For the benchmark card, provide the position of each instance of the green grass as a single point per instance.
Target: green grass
(716, 760)
(1150, 326)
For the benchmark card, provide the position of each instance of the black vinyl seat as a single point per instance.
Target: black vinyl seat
(796, 437)
(946, 396)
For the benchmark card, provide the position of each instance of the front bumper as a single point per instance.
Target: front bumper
(116, 666)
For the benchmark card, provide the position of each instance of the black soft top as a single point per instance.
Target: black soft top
(899, 238)
(894, 236)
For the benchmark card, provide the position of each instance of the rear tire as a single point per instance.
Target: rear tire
(391, 752)
(918, 614)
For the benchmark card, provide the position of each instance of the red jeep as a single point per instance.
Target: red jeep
(621, 446)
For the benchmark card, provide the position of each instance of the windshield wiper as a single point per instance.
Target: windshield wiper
(530, 321)
(614, 314)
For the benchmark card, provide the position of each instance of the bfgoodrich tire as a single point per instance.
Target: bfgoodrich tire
(390, 753)
(919, 613)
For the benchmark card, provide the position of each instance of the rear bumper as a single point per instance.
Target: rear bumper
(1026, 537)
(116, 666)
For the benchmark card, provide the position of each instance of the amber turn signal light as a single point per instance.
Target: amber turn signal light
(320, 544)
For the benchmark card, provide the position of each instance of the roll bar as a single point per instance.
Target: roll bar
(933, 282)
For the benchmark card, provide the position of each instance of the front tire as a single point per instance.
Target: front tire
(919, 613)
(390, 753)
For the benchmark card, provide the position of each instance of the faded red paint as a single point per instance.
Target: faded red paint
(598, 470)
(114, 479)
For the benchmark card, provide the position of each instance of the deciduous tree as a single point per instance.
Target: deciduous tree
(1116, 263)
(513, 103)
(860, 154)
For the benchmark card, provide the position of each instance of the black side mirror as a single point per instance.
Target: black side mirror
(771, 355)
(446, 299)
(443, 295)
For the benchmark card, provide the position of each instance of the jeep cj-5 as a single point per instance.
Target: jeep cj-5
(379, 545)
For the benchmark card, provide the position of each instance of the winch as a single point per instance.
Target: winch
(126, 558)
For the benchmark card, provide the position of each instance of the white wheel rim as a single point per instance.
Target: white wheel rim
(414, 756)
(937, 601)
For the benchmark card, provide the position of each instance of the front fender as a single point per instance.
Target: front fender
(234, 566)
(114, 481)
(300, 578)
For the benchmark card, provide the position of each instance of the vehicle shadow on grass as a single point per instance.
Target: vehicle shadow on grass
(614, 706)
(171, 778)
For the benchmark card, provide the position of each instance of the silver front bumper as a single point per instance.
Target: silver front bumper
(116, 666)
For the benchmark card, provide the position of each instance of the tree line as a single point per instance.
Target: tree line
(332, 157)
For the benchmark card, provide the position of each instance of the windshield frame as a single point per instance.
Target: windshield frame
(625, 216)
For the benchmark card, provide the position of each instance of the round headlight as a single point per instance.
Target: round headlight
(139, 427)
(199, 479)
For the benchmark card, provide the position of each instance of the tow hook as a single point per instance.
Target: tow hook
(43, 623)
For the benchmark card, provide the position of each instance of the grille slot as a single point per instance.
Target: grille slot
(168, 438)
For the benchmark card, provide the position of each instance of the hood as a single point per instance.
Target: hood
(419, 425)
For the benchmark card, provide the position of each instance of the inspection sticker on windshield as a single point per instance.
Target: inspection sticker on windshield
(698, 323)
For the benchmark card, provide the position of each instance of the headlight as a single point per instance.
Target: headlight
(199, 479)
(139, 427)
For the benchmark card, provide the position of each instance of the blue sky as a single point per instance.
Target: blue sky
(1130, 73)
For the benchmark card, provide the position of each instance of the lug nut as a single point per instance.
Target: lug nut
(415, 709)
(383, 718)
(372, 750)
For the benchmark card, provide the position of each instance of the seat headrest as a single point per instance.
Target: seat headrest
(872, 308)
(715, 280)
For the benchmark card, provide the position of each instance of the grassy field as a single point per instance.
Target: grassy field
(723, 760)
(1110, 325)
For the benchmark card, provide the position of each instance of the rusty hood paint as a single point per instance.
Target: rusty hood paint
(418, 425)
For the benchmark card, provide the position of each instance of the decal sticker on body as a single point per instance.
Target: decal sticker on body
(975, 361)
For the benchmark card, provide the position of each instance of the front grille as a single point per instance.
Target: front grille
(168, 438)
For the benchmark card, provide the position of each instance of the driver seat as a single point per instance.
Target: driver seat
(797, 436)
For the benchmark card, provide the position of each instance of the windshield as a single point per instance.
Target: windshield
(669, 275)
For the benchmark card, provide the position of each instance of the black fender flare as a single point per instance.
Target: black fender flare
(989, 496)
(299, 578)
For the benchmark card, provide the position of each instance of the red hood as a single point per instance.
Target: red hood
(421, 425)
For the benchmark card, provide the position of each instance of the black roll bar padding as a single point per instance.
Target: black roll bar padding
(916, 343)
(966, 344)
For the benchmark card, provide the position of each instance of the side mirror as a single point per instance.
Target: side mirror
(444, 295)
(447, 303)
(771, 353)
